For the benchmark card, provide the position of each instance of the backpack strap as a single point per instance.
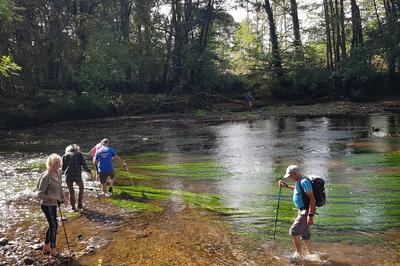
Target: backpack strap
(304, 196)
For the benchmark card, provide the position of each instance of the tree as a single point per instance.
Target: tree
(296, 29)
(357, 38)
(276, 57)
(7, 65)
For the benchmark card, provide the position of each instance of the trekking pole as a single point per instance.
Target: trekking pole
(277, 210)
(65, 232)
(129, 174)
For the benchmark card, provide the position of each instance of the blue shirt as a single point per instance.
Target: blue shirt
(104, 158)
(307, 187)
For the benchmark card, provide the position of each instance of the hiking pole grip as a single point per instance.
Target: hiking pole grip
(277, 210)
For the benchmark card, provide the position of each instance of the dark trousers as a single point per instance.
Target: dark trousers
(51, 216)
(70, 185)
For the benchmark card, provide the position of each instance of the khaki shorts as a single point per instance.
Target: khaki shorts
(300, 226)
(103, 176)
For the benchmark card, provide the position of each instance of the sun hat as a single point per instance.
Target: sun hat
(291, 169)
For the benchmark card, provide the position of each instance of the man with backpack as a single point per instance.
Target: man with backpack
(304, 200)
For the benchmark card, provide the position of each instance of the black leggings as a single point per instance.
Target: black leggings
(51, 216)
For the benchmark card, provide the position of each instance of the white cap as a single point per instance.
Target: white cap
(291, 169)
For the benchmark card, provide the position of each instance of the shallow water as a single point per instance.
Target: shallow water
(231, 169)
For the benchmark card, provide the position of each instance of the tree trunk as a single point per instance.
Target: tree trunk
(202, 45)
(342, 30)
(165, 81)
(357, 38)
(54, 45)
(329, 53)
(178, 52)
(392, 21)
(376, 14)
(124, 17)
(276, 58)
(335, 34)
(296, 29)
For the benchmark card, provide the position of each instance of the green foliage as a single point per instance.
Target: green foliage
(308, 75)
(7, 10)
(8, 67)
(201, 113)
(106, 61)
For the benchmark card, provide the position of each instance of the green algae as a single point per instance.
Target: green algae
(196, 170)
(208, 202)
(134, 205)
(120, 174)
(363, 200)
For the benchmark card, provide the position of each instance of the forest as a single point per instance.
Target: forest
(88, 58)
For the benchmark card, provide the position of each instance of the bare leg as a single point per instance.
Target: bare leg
(308, 246)
(297, 243)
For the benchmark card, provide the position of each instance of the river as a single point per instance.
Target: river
(228, 172)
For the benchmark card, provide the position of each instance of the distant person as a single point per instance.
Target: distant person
(300, 230)
(73, 162)
(250, 99)
(103, 160)
(92, 153)
(51, 194)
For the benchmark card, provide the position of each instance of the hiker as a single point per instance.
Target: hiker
(92, 153)
(51, 194)
(250, 99)
(300, 229)
(105, 167)
(72, 163)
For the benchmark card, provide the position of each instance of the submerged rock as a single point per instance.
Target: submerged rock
(3, 241)
(90, 250)
(37, 246)
(29, 260)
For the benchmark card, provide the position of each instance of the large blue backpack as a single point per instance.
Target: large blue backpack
(318, 186)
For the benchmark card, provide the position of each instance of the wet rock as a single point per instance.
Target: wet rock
(37, 246)
(29, 260)
(3, 241)
(90, 250)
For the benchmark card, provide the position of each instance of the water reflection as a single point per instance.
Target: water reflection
(257, 153)
(360, 167)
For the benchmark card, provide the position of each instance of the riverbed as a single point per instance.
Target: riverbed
(204, 192)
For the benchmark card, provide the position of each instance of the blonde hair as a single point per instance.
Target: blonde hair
(51, 159)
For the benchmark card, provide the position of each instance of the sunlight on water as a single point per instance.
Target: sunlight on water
(240, 162)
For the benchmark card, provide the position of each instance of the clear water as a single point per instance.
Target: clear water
(240, 162)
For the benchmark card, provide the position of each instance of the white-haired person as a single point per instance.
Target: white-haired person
(103, 159)
(51, 195)
(72, 164)
(300, 229)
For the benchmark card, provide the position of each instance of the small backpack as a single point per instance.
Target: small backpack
(318, 186)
